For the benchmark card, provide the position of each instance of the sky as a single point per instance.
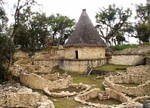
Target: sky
(73, 8)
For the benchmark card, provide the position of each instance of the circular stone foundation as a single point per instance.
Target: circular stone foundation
(130, 84)
(105, 99)
(71, 90)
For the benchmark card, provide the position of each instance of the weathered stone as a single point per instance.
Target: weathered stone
(146, 104)
(22, 97)
(126, 59)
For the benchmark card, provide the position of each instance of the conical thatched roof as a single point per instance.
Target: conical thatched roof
(85, 33)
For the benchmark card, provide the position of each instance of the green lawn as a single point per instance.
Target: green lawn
(66, 103)
(110, 101)
(112, 68)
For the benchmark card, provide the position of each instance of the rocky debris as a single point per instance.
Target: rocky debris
(144, 49)
(14, 95)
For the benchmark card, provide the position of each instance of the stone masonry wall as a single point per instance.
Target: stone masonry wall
(85, 52)
(80, 65)
(126, 59)
(114, 82)
(37, 82)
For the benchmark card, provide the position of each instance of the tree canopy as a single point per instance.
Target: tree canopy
(112, 23)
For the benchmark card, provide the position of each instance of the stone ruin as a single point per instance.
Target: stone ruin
(49, 83)
(141, 84)
(115, 86)
(118, 87)
(104, 95)
(71, 90)
(14, 95)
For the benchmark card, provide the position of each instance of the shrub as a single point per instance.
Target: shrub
(121, 47)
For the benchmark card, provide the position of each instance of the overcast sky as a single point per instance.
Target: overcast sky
(73, 8)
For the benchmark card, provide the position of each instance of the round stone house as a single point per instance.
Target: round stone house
(84, 48)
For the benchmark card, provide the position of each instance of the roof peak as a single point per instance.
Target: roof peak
(83, 9)
(85, 33)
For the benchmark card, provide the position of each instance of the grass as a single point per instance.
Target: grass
(122, 47)
(146, 43)
(110, 101)
(129, 84)
(112, 68)
(66, 103)
(90, 80)
(148, 55)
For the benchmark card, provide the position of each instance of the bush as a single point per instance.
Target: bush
(146, 43)
(122, 47)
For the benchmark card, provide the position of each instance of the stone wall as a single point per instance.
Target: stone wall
(139, 70)
(126, 59)
(85, 52)
(96, 93)
(22, 97)
(38, 82)
(46, 64)
(114, 82)
(80, 65)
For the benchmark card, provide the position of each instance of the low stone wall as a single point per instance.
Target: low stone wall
(22, 97)
(38, 82)
(80, 65)
(46, 64)
(96, 93)
(139, 70)
(142, 89)
(83, 88)
(126, 59)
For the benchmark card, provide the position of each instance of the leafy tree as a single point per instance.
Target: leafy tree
(61, 27)
(142, 27)
(3, 46)
(112, 23)
(21, 4)
(33, 30)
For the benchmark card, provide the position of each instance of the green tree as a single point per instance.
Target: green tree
(20, 4)
(3, 45)
(112, 23)
(142, 27)
(33, 30)
(61, 28)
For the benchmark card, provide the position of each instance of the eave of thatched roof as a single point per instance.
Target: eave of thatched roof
(85, 34)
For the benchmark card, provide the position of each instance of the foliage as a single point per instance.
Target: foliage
(32, 32)
(112, 24)
(61, 28)
(35, 30)
(146, 43)
(122, 47)
(4, 56)
(142, 27)
(111, 68)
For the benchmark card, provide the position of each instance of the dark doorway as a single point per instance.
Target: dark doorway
(76, 54)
